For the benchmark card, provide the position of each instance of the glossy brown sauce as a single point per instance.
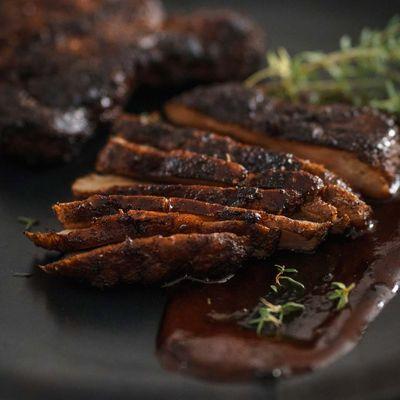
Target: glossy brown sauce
(192, 342)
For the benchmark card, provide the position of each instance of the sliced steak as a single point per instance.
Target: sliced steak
(137, 224)
(160, 259)
(295, 234)
(145, 162)
(359, 144)
(266, 169)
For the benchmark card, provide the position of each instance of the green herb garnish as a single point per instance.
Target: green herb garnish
(28, 222)
(273, 314)
(283, 277)
(340, 293)
(362, 73)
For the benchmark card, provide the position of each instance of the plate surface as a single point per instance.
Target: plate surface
(63, 340)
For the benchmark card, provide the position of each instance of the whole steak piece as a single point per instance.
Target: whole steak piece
(65, 66)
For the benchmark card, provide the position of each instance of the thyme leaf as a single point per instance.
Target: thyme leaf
(340, 292)
(28, 222)
(366, 72)
(274, 314)
(282, 276)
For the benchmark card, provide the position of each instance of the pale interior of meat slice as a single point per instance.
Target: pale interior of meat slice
(360, 176)
(93, 183)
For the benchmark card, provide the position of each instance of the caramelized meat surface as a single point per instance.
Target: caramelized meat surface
(295, 234)
(160, 259)
(137, 224)
(66, 66)
(359, 144)
(211, 192)
(275, 201)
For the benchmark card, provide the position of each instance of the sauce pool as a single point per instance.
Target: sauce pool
(192, 342)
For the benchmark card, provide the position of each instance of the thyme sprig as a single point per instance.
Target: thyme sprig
(28, 222)
(363, 73)
(273, 314)
(283, 277)
(340, 293)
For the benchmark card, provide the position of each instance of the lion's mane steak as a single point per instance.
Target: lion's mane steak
(274, 201)
(147, 149)
(295, 234)
(195, 191)
(359, 144)
(67, 65)
(137, 224)
(158, 259)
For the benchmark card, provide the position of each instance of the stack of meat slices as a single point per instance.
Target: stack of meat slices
(361, 145)
(169, 202)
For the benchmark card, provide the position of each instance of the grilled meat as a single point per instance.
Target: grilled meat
(295, 234)
(137, 224)
(149, 130)
(359, 144)
(160, 259)
(68, 65)
(197, 190)
(141, 161)
(275, 201)
(139, 142)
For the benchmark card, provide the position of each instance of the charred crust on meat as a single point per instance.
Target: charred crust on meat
(368, 135)
(67, 69)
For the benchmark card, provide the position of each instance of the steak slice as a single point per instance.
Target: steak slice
(263, 165)
(359, 144)
(137, 224)
(150, 130)
(67, 66)
(274, 201)
(161, 259)
(178, 166)
(295, 234)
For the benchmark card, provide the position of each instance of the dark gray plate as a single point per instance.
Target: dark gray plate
(62, 340)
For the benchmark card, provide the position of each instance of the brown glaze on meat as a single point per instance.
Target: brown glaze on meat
(139, 161)
(274, 201)
(167, 137)
(203, 46)
(145, 162)
(66, 65)
(361, 145)
(160, 259)
(152, 131)
(63, 64)
(267, 169)
(137, 224)
(295, 234)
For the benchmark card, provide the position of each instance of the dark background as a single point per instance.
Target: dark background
(61, 340)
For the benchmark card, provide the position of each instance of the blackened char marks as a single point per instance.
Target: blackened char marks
(159, 259)
(275, 201)
(167, 137)
(68, 65)
(137, 224)
(296, 234)
(207, 45)
(145, 162)
(138, 161)
(370, 134)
